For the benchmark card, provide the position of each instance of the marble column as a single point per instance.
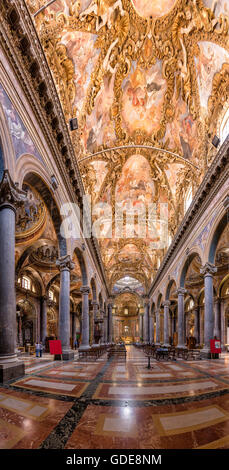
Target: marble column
(217, 318)
(105, 328)
(223, 332)
(151, 329)
(65, 265)
(166, 305)
(181, 293)
(43, 319)
(10, 199)
(171, 326)
(73, 328)
(196, 325)
(85, 290)
(102, 340)
(110, 324)
(146, 321)
(208, 270)
(140, 326)
(95, 306)
(158, 326)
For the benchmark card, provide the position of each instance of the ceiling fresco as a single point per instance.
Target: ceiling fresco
(148, 83)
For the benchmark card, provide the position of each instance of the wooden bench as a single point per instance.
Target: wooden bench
(119, 351)
(193, 354)
(93, 353)
(162, 353)
(182, 352)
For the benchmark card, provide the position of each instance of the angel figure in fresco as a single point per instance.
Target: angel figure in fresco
(65, 69)
(200, 19)
(183, 82)
(103, 9)
(74, 8)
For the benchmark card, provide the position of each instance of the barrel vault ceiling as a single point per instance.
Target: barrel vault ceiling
(138, 74)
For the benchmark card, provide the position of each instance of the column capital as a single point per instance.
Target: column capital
(166, 303)
(95, 303)
(10, 195)
(85, 290)
(44, 298)
(181, 291)
(65, 263)
(145, 300)
(208, 269)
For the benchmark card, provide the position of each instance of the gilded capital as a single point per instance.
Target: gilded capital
(166, 303)
(181, 291)
(85, 290)
(208, 269)
(10, 194)
(65, 263)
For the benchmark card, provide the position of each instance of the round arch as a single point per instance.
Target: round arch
(93, 288)
(159, 300)
(35, 180)
(216, 237)
(168, 289)
(224, 281)
(7, 153)
(185, 267)
(81, 260)
(100, 301)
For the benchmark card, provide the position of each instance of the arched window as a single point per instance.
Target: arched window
(26, 283)
(188, 199)
(224, 128)
(51, 295)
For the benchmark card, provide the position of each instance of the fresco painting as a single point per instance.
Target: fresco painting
(99, 129)
(208, 63)
(181, 132)
(129, 254)
(219, 7)
(154, 8)
(100, 172)
(172, 176)
(21, 139)
(135, 187)
(80, 48)
(143, 96)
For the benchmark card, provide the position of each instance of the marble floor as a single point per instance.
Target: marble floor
(111, 404)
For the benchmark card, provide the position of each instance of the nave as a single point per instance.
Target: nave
(117, 404)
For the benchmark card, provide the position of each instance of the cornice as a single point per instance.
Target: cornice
(214, 179)
(22, 47)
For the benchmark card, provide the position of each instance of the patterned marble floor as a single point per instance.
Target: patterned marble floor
(117, 404)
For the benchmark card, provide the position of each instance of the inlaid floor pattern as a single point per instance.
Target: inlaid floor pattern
(117, 404)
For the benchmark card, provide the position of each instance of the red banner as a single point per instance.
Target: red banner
(215, 346)
(55, 347)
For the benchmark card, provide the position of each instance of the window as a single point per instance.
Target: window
(26, 283)
(51, 295)
(188, 199)
(224, 128)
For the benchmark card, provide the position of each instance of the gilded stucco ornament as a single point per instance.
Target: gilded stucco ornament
(130, 47)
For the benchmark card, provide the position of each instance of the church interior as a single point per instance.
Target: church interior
(114, 211)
